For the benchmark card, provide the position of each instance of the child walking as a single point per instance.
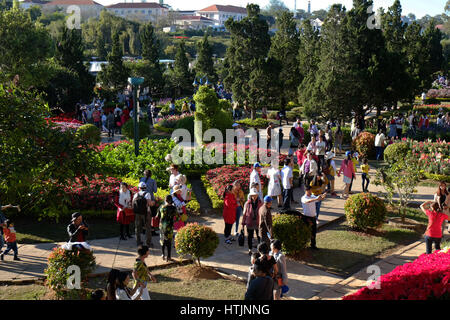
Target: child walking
(365, 175)
(10, 239)
(141, 274)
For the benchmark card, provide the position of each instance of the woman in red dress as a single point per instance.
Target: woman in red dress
(125, 214)
(229, 212)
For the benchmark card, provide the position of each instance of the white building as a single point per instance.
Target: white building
(144, 11)
(27, 4)
(88, 8)
(219, 14)
(194, 22)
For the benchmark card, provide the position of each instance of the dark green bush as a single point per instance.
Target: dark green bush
(186, 123)
(196, 240)
(257, 123)
(89, 133)
(128, 129)
(293, 233)
(364, 210)
(396, 151)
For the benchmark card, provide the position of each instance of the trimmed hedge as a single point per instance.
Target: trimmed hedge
(437, 177)
(293, 233)
(257, 123)
(395, 152)
(89, 133)
(128, 129)
(365, 145)
(216, 202)
(364, 211)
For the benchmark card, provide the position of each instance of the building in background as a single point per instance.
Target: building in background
(27, 4)
(219, 14)
(194, 22)
(143, 11)
(88, 8)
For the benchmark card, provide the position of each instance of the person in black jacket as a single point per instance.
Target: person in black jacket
(260, 288)
(77, 229)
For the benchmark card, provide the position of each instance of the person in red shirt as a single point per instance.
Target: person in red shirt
(10, 239)
(229, 212)
(434, 229)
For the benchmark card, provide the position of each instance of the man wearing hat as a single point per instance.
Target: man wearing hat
(255, 178)
(265, 220)
(77, 229)
(142, 201)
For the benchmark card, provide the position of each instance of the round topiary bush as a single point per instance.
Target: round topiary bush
(186, 123)
(396, 151)
(58, 272)
(197, 241)
(364, 211)
(89, 133)
(293, 233)
(128, 129)
(365, 145)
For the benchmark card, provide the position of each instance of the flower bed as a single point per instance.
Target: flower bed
(95, 194)
(434, 157)
(432, 108)
(219, 178)
(426, 278)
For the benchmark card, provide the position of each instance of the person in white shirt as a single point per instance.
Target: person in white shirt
(321, 148)
(286, 178)
(379, 144)
(174, 176)
(309, 213)
(254, 178)
(274, 188)
(125, 293)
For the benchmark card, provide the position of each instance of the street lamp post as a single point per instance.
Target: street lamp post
(135, 83)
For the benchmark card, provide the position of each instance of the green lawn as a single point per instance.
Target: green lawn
(344, 252)
(171, 287)
(411, 213)
(29, 231)
(22, 292)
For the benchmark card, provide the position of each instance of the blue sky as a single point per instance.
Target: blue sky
(418, 7)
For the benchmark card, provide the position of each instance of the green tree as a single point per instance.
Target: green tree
(70, 55)
(114, 75)
(181, 76)
(34, 12)
(24, 49)
(275, 8)
(205, 64)
(152, 69)
(284, 50)
(250, 42)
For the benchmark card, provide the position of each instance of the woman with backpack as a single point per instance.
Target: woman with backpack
(251, 217)
(125, 214)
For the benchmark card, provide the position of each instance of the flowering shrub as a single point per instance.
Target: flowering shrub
(221, 177)
(171, 121)
(57, 274)
(197, 241)
(434, 157)
(364, 210)
(64, 126)
(432, 108)
(365, 145)
(439, 93)
(95, 194)
(293, 233)
(426, 278)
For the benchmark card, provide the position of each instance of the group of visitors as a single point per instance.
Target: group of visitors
(110, 121)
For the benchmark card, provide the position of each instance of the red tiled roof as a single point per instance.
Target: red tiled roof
(73, 2)
(194, 18)
(135, 5)
(217, 8)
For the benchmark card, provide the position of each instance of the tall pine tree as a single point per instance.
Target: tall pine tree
(205, 64)
(250, 44)
(284, 50)
(151, 68)
(115, 74)
(181, 76)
